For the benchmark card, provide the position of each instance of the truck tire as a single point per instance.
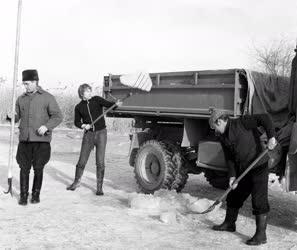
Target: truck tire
(133, 157)
(154, 166)
(180, 172)
(218, 179)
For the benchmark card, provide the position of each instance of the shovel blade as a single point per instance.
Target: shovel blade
(211, 208)
(9, 190)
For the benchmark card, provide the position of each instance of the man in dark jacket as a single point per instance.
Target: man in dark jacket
(38, 113)
(240, 141)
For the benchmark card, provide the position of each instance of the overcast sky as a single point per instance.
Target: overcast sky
(76, 41)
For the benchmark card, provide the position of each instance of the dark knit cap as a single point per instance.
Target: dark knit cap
(30, 75)
(215, 115)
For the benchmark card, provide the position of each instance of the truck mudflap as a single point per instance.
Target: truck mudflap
(291, 162)
(137, 139)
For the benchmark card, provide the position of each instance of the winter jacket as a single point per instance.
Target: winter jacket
(241, 141)
(35, 110)
(88, 110)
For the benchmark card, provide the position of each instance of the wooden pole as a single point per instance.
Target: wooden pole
(15, 77)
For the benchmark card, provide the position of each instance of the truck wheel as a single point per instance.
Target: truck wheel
(133, 157)
(180, 172)
(218, 179)
(154, 167)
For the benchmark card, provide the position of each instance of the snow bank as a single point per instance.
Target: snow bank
(168, 205)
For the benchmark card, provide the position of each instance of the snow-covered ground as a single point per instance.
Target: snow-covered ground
(122, 218)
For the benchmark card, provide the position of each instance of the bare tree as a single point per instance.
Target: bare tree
(275, 58)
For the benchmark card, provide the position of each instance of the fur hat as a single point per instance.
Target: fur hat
(30, 75)
(215, 115)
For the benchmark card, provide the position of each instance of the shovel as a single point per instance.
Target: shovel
(109, 109)
(140, 80)
(222, 197)
(15, 74)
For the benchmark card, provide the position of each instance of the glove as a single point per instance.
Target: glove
(86, 127)
(119, 103)
(271, 143)
(231, 181)
(42, 130)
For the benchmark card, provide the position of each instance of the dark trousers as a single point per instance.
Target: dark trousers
(91, 139)
(255, 183)
(36, 154)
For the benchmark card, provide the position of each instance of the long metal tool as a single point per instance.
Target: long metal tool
(15, 76)
(222, 197)
(140, 81)
(107, 110)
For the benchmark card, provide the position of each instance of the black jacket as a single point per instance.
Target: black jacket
(87, 111)
(241, 141)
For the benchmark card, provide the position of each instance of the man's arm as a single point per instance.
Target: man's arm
(17, 111)
(264, 120)
(17, 114)
(103, 102)
(77, 118)
(55, 114)
(229, 160)
(257, 120)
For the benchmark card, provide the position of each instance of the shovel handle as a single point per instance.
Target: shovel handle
(222, 197)
(109, 109)
(243, 174)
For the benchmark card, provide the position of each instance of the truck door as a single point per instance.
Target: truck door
(291, 163)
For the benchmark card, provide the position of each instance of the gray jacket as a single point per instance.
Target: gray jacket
(35, 110)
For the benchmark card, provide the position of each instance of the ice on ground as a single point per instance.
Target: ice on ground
(167, 204)
(168, 217)
(148, 203)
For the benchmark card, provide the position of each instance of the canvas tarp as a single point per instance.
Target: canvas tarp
(278, 97)
(271, 96)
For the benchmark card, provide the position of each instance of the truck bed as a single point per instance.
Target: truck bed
(187, 94)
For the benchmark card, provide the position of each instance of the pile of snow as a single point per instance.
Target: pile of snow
(168, 205)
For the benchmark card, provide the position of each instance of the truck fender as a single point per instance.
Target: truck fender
(137, 139)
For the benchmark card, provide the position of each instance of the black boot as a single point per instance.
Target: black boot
(37, 183)
(229, 222)
(100, 176)
(24, 186)
(260, 236)
(78, 174)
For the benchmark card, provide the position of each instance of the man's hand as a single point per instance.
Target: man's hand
(231, 181)
(9, 116)
(119, 103)
(86, 127)
(42, 130)
(271, 143)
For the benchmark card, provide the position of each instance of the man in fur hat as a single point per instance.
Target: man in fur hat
(38, 113)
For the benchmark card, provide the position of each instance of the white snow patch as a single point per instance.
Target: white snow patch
(168, 205)
(168, 217)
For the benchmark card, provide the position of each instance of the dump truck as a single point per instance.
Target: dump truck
(171, 136)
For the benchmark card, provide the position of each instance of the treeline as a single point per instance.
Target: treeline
(66, 100)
